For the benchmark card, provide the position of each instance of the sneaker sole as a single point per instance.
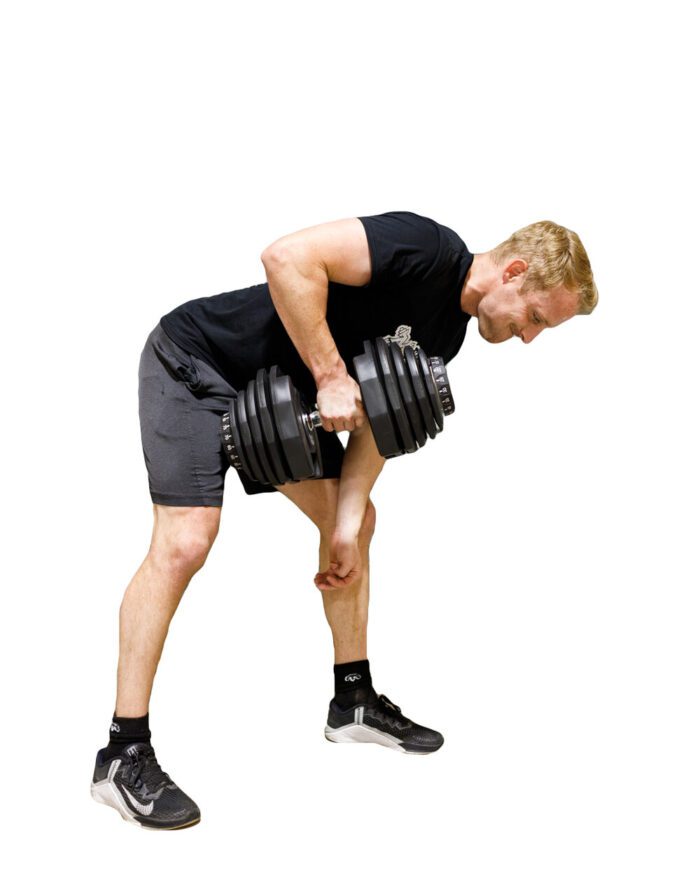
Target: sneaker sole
(359, 733)
(106, 793)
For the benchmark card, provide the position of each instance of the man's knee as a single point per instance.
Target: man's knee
(183, 536)
(369, 522)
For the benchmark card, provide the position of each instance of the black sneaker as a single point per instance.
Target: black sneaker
(382, 722)
(140, 790)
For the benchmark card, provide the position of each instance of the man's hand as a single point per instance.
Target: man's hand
(345, 563)
(340, 403)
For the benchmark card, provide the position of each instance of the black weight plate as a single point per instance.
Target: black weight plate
(228, 426)
(310, 444)
(312, 438)
(238, 440)
(408, 395)
(255, 471)
(274, 448)
(375, 403)
(290, 427)
(307, 445)
(431, 386)
(285, 421)
(421, 392)
(396, 405)
(256, 431)
(437, 366)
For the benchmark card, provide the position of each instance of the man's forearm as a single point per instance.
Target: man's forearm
(361, 467)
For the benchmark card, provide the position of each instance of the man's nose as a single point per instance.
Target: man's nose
(530, 332)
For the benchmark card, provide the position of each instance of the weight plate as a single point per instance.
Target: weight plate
(256, 431)
(243, 464)
(421, 392)
(432, 389)
(309, 444)
(375, 403)
(393, 393)
(437, 366)
(408, 395)
(274, 449)
(309, 414)
(290, 428)
(230, 437)
(255, 471)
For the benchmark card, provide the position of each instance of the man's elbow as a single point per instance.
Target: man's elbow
(278, 254)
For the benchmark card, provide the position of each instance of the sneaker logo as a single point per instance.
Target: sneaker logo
(115, 728)
(142, 809)
(351, 678)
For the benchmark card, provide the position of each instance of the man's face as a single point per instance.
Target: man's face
(507, 312)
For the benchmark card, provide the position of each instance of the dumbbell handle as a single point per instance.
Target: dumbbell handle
(313, 420)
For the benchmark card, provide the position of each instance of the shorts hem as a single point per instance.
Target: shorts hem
(187, 500)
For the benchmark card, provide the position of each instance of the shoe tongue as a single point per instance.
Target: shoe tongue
(138, 747)
(149, 771)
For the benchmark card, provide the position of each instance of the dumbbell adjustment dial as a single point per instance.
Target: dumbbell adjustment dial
(230, 442)
(437, 367)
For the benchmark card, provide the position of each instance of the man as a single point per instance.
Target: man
(329, 288)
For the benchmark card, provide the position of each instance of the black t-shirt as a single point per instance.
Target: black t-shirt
(418, 271)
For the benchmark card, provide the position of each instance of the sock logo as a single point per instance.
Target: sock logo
(351, 678)
(115, 728)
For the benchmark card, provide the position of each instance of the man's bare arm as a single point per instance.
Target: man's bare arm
(299, 267)
(362, 465)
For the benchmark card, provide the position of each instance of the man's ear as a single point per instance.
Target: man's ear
(515, 268)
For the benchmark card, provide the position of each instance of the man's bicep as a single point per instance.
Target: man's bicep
(339, 247)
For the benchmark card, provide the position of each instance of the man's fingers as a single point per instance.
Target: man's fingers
(328, 581)
(321, 583)
(340, 582)
(343, 423)
(341, 570)
(334, 424)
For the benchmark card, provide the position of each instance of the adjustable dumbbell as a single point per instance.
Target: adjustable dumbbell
(269, 431)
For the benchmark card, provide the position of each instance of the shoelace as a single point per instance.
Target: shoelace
(383, 698)
(145, 769)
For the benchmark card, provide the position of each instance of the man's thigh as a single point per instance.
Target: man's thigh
(318, 499)
(180, 409)
(181, 402)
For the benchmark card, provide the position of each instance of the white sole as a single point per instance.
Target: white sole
(107, 793)
(359, 733)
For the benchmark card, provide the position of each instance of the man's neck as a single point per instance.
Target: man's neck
(477, 282)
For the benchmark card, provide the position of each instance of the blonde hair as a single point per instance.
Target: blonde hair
(555, 257)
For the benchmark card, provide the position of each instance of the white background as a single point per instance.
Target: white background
(534, 568)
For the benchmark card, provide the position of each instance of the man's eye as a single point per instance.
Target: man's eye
(536, 319)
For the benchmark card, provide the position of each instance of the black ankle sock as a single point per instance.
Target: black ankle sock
(125, 731)
(353, 683)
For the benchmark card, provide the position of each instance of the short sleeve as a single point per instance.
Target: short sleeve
(405, 247)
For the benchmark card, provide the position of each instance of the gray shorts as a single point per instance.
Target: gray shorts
(181, 402)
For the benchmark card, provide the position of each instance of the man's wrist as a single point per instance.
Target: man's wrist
(328, 373)
(348, 529)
